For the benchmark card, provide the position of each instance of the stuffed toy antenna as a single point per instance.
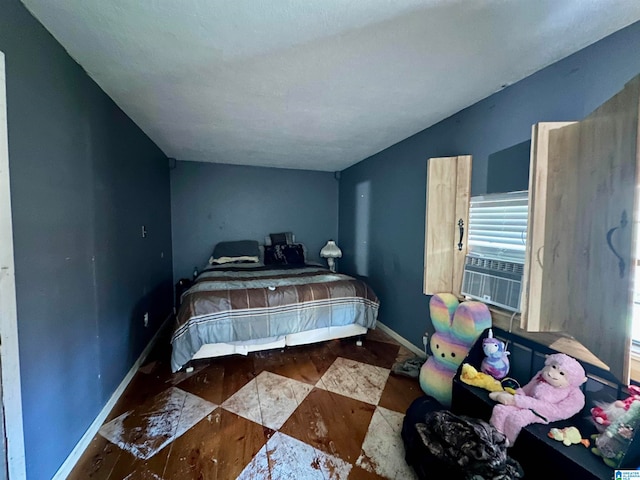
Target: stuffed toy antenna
(552, 394)
(496, 362)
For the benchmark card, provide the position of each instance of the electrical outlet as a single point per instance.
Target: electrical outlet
(425, 339)
(146, 319)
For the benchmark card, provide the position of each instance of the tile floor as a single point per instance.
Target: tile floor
(327, 411)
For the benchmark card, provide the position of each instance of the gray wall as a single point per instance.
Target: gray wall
(84, 179)
(213, 202)
(382, 199)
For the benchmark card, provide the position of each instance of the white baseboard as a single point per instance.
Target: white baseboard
(400, 339)
(65, 469)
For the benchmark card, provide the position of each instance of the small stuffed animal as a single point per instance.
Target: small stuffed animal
(568, 436)
(496, 362)
(553, 394)
(471, 376)
(612, 445)
(603, 414)
(634, 394)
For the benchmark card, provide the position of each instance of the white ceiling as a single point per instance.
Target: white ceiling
(312, 84)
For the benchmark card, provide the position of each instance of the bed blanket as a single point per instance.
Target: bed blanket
(240, 304)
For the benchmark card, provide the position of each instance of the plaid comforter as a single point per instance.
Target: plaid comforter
(239, 303)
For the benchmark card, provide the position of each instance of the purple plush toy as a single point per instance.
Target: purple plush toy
(496, 362)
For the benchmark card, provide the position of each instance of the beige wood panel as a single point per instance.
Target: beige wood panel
(591, 183)
(448, 190)
(463, 196)
(532, 278)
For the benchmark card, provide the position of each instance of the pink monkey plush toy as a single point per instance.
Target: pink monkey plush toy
(553, 394)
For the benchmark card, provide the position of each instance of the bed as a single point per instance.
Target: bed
(244, 302)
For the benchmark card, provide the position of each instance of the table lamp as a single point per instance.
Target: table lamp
(331, 251)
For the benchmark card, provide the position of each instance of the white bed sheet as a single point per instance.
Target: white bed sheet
(212, 350)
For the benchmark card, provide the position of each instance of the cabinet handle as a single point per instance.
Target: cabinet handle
(538, 256)
(461, 227)
(623, 223)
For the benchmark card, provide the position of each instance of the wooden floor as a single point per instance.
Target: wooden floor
(329, 410)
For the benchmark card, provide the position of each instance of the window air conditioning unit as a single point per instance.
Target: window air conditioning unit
(497, 240)
(496, 282)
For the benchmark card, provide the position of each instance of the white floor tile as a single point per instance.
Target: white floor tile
(355, 380)
(144, 431)
(382, 449)
(284, 458)
(142, 475)
(268, 399)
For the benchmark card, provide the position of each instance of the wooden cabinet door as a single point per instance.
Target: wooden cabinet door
(532, 279)
(589, 238)
(448, 191)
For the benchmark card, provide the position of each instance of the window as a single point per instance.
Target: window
(498, 226)
(497, 239)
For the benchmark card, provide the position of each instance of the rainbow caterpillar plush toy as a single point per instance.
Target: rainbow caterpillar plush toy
(457, 326)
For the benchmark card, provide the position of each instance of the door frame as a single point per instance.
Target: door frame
(9, 352)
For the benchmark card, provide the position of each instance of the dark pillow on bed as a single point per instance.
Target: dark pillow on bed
(293, 253)
(281, 238)
(273, 255)
(283, 254)
(242, 250)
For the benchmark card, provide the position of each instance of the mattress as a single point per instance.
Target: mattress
(263, 305)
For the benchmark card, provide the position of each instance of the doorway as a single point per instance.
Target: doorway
(12, 461)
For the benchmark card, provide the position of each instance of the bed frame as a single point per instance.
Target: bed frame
(213, 350)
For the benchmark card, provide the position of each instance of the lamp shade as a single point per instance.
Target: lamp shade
(331, 250)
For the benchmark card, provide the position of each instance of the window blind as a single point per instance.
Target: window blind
(498, 226)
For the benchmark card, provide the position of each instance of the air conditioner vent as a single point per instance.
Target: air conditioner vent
(496, 265)
(492, 281)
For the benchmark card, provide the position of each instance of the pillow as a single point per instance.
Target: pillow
(294, 253)
(239, 259)
(283, 254)
(272, 255)
(238, 251)
(281, 238)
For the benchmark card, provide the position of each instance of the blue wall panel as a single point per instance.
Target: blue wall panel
(212, 202)
(84, 179)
